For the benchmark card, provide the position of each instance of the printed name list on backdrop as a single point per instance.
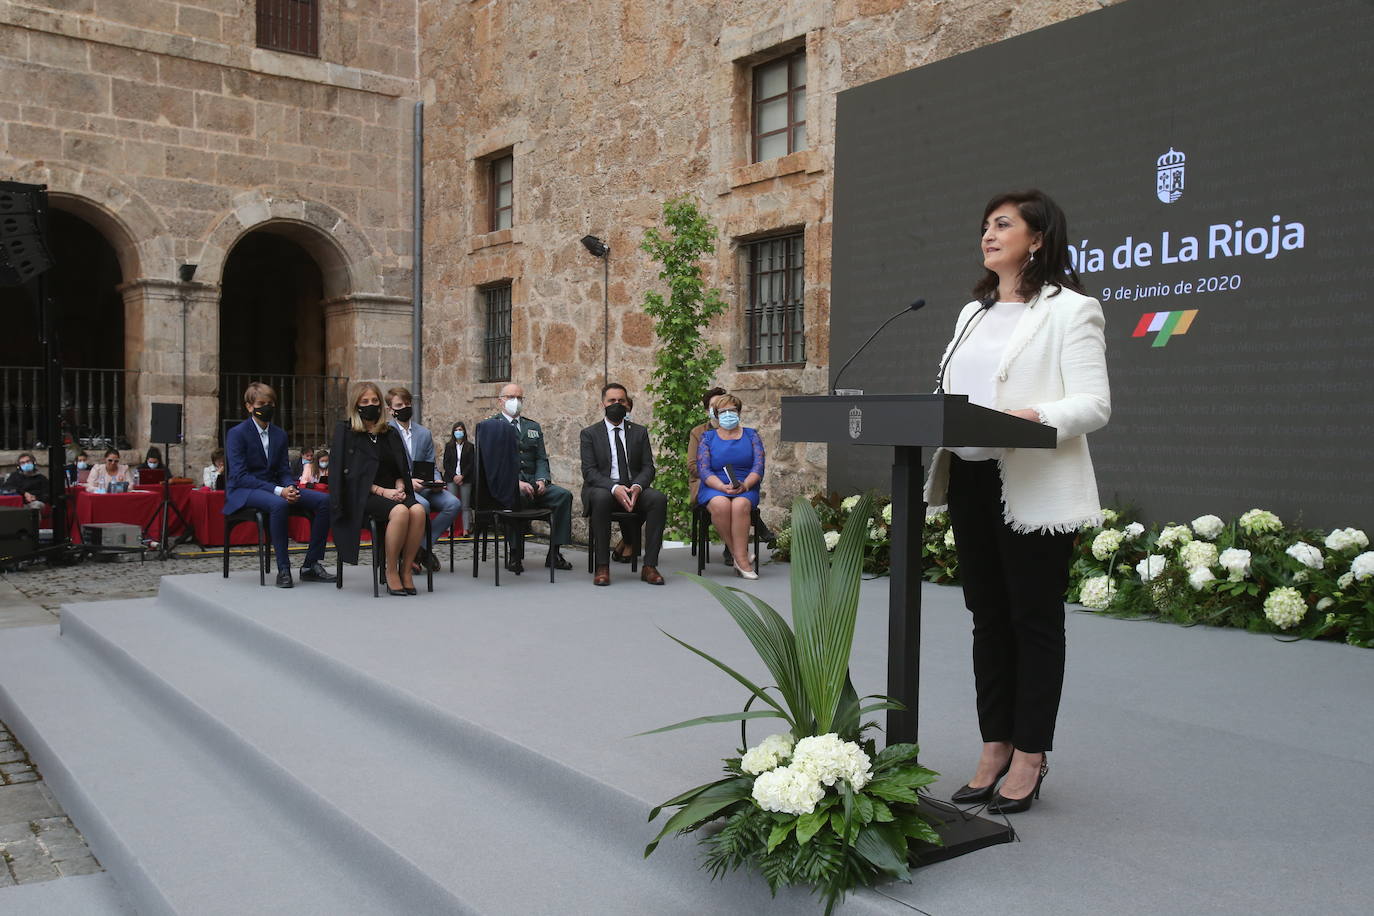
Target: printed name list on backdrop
(1218, 206)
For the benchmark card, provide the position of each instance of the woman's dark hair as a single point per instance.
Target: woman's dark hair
(458, 424)
(112, 451)
(1051, 264)
(153, 452)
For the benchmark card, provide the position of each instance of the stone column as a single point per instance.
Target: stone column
(367, 338)
(154, 311)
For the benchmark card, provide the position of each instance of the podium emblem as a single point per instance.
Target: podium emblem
(856, 422)
(1169, 175)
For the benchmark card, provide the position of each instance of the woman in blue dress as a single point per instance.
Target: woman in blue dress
(732, 452)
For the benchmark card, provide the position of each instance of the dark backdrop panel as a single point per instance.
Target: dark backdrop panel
(1265, 401)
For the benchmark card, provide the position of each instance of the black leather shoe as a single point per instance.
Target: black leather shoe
(316, 572)
(284, 579)
(971, 796)
(427, 559)
(515, 565)
(726, 558)
(396, 592)
(558, 562)
(411, 591)
(1003, 805)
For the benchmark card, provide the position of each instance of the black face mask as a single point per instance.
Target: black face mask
(405, 413)
(616, 412)
(371, 413)
(265, 413)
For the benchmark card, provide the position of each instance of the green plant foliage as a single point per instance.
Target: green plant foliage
(684, 364)
(850, 837)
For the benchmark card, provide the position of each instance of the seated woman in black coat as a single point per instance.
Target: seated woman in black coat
(369, 480)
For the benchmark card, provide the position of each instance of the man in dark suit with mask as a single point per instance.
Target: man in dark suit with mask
(617, 471)
(536, 486)
(257, 474)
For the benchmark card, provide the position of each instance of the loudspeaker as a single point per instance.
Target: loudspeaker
(166, 423)
(18, 532)
(23, 250)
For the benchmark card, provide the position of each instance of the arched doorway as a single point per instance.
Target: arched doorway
(85, 286)
(272, 329)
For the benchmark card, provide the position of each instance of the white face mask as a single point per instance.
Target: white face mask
(513, 407)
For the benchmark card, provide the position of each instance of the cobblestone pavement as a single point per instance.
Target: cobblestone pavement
(37, 841)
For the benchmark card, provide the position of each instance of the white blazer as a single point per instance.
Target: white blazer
(1056, 362)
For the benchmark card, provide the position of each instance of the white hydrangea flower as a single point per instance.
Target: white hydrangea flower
(1109, 516)
(1106, 543)
(1151, 566)
(1260, 521)
(767, 754)
(1096, 592)
(1173, 536)
(1346, 580)
(826, 758)
(949, 538)
(1347, 539)
(1306, 554)
(875, 533)
(1324, 604)
(887, 513)
(1284, 607)
(787, 790)
(1362, 567)
(832, 538)
(1197, 553)
(1133, 531)
(1208, 526)
(1236, 562)
(1300, 576)
(1200, 576)
(848, 503)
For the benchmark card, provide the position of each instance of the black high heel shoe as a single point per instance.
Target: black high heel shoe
(1003, 805)
(971, 796)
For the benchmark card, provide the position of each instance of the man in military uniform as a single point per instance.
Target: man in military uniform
(536, 489)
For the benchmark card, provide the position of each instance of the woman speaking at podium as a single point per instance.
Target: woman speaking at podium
(1030, 344)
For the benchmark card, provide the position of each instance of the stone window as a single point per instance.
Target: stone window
(501, 192)
(496, 336)
(778, 122)
(289, 25)
(774, 317)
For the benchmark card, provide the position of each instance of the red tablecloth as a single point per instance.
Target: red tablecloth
(137, 507)
(12, 500)
(206, 512)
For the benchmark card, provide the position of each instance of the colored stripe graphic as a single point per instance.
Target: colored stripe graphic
(1167, 324)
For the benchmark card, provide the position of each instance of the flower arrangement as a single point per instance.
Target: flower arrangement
(1255, 572)
(817, 804)
(1206, 571)
(833, 512)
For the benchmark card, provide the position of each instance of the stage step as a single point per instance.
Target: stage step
(218, 765)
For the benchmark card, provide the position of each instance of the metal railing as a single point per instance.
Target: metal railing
(307, 405)
(92, 407)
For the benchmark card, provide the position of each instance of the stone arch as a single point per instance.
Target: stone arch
(345, 256)
(116, 210)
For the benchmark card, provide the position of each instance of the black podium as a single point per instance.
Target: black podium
(906, 423)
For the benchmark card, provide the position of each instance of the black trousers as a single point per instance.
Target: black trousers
(1014, 584)
(652, 507)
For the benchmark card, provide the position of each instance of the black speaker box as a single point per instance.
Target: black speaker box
(18, 532)
(166, 423)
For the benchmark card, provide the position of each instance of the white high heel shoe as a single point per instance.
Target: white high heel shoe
(746, 573)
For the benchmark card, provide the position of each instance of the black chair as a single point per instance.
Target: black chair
(379, 559)
(492, 522)
(242, 517)
(633, 519)
(701, 535)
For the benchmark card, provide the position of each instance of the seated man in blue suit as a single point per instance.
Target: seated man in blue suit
(258, 474)
(419, 446)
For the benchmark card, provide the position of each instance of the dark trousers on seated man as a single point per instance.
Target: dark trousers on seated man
(559, 502)
(652, 507)
(277, 510)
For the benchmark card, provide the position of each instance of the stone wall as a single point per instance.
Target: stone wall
(162, 124)
(609, 110)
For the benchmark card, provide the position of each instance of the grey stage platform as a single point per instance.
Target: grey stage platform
(233, 749)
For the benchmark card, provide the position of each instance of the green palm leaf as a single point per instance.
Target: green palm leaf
(748, 684)
(719, 717)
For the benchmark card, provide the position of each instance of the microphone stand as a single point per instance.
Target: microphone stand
(834, 389)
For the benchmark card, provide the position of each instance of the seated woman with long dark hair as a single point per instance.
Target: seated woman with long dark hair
(368, 467)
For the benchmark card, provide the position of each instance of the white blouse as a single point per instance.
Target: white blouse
(972, 369)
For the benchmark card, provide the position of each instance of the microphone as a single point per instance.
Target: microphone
(984, 304)
(919, 303)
